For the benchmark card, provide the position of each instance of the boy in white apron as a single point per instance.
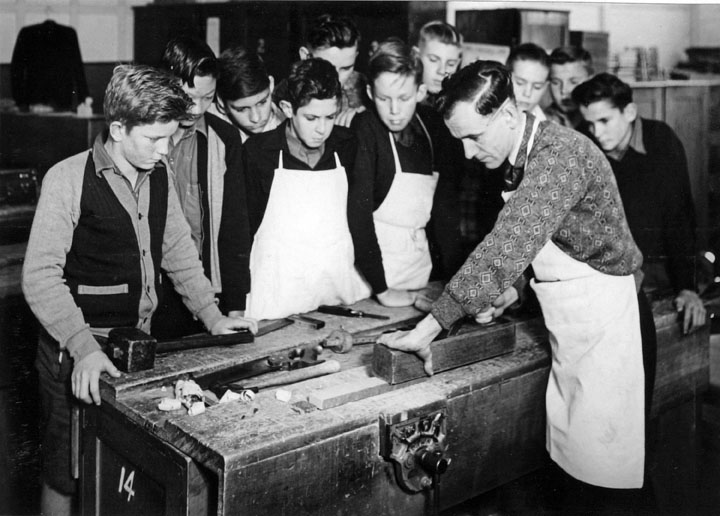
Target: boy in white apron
(302, 255)
(393, 183)
(566, 218)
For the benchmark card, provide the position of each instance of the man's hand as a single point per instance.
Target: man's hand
(499, 305)
(86, 374)
(415, 341)
(395, 298)
(344, 118)
(695, 315)
(234, 323)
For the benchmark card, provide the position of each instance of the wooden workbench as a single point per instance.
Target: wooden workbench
(267, 457)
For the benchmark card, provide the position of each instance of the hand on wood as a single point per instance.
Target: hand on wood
(415, 341)
(230, 324)
(499, 305)
(86, 375)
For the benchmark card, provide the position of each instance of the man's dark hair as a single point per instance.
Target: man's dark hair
(488, 79)
(241, 74)
(603, 86)
(142, 95)
(572, 54)
(528, 52)
(332, 31)
(394, 56)
(187, 58)
(312, 79)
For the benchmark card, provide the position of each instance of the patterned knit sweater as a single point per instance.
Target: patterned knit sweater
(569, 195)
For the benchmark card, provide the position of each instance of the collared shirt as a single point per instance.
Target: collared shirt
(56, 217)
(635, 142)
(311, 157)
(183, 158)
(276, 118)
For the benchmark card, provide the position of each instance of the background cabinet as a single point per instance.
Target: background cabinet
(686, 106)
(275, 29)
(510, 27)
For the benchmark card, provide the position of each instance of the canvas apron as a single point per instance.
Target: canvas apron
(595, 399)
(302, 254)
(400, 227)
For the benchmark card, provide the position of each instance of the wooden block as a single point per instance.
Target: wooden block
(485, 342)
(347, 386)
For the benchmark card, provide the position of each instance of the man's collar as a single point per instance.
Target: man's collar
(512, 158)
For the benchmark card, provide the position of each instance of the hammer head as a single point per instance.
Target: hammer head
(130, 349)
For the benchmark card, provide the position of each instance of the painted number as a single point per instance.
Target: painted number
(126, 483)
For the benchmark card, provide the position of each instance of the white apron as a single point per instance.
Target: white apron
(400, 227)
(595, 398)
(302, 254)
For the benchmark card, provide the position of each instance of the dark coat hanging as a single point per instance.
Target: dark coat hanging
(47, 68)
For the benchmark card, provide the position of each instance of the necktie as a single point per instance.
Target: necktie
(513, 174)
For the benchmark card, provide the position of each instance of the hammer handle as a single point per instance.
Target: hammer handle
(204, 341)
(294, 375)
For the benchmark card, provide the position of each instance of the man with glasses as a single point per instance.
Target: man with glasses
(563, 214)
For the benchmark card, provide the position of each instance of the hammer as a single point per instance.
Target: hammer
(132, 350)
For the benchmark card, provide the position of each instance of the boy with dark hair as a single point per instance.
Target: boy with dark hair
(107, 222)
(336, 39)
(569, 66)
(244, 93)
(651, 171)
(206, 155)
(393, 185)
(440, 48)
(530, 68)
(302, 254)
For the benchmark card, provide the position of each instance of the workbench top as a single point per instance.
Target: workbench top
(228, 436)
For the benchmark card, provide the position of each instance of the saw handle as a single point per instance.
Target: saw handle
(294, 375)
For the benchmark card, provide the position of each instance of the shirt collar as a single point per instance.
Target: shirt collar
(200, 126)
(636, 139)
(300, 151)
(512, 158)
(635, 143)
(103, 161)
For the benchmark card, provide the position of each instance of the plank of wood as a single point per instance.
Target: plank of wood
(344, 387)
(481, 343)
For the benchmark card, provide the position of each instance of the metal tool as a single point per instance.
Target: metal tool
(132, 350)
(344, 311)
(307, 322)
(289, 360)
(341, 341)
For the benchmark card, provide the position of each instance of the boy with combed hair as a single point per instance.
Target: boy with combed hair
(107, 223)
(302, 255)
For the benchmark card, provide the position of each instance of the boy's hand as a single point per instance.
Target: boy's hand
(230, 324)
(86, 375)
(345, 118)
(694, 313)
